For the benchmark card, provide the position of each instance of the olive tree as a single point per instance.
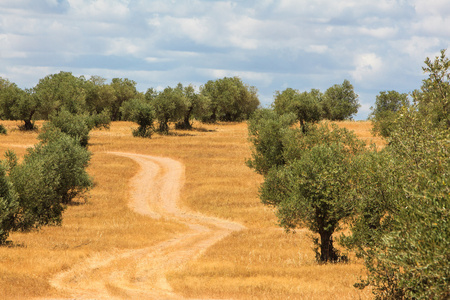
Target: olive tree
(77, 126)
(9, 95)
(18, 104)
(60, 91)
(231, 99)
(267, 131)
(384, 113)
(170, 106)
(307, 176)
(8, 204)
(100, 96)
(35, 191)
(306, 106)
(340, 102)
(197, 106)
(401, 226)
(434, 97)
(124, 90)
(141, 111)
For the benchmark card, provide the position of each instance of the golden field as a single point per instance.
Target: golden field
(259, 262)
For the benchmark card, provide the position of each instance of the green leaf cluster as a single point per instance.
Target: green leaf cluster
(142, 112)
(387, 106)
(230, 99)
(307, 174)
(36, 191)
(401, 223)
(339, 102)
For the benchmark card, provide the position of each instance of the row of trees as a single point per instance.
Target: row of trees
(394, 201)
(338, 103)
(226, 99)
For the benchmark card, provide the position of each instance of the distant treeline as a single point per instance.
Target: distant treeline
(225, 99)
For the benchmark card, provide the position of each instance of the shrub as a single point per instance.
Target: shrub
(2, 129)
(8, 205)
(141, 112)
(384, 113)
(77, 126)
(51, 175)
(402, 229)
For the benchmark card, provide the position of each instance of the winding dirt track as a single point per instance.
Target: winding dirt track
(156, 191)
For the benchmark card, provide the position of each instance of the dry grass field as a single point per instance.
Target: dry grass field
(259, 262)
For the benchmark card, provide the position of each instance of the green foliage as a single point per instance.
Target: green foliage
(124, 90)
(9, 95)
(266, 132)
(231, 99)
(17, 104)
(51, 175)
(340, 102)
(99, 95)
(73, 125)
(197, 106)
(60, 91)
(313, 192)
(26, 108)
(402, 230)
(402, 227)
(8, 205)
(307, 176)
(384, 113)
(77, 126)
(170, 106)
(98, 120)
(3, 129)
(434, 98)
(37, 190)
(306, 106)
(141, 112)
(35, 182)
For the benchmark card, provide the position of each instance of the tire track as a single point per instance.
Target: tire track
(155, 193)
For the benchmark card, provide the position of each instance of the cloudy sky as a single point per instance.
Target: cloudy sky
(270, 44)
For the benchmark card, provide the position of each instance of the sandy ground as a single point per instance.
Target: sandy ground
(155, 193)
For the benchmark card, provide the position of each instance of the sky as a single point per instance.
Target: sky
(270, 44)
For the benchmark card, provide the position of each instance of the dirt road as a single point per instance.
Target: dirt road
(155, 193)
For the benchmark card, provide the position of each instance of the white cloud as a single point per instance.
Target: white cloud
(432, 7)
(317, 49)
(367, 67)
(379, 33)
(99, 9)
(262, 78)
(417, 48)
(122, 46)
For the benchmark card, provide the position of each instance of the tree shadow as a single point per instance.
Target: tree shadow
(11, 244)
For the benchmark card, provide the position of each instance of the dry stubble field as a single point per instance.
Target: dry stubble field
(260, 262)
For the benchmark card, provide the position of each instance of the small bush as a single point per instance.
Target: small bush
(141, 112)
(2, 129)
(144, 133)
(50, 176)
(8, 205)
(77, 126)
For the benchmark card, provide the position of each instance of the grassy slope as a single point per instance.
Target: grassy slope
(261, 262)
